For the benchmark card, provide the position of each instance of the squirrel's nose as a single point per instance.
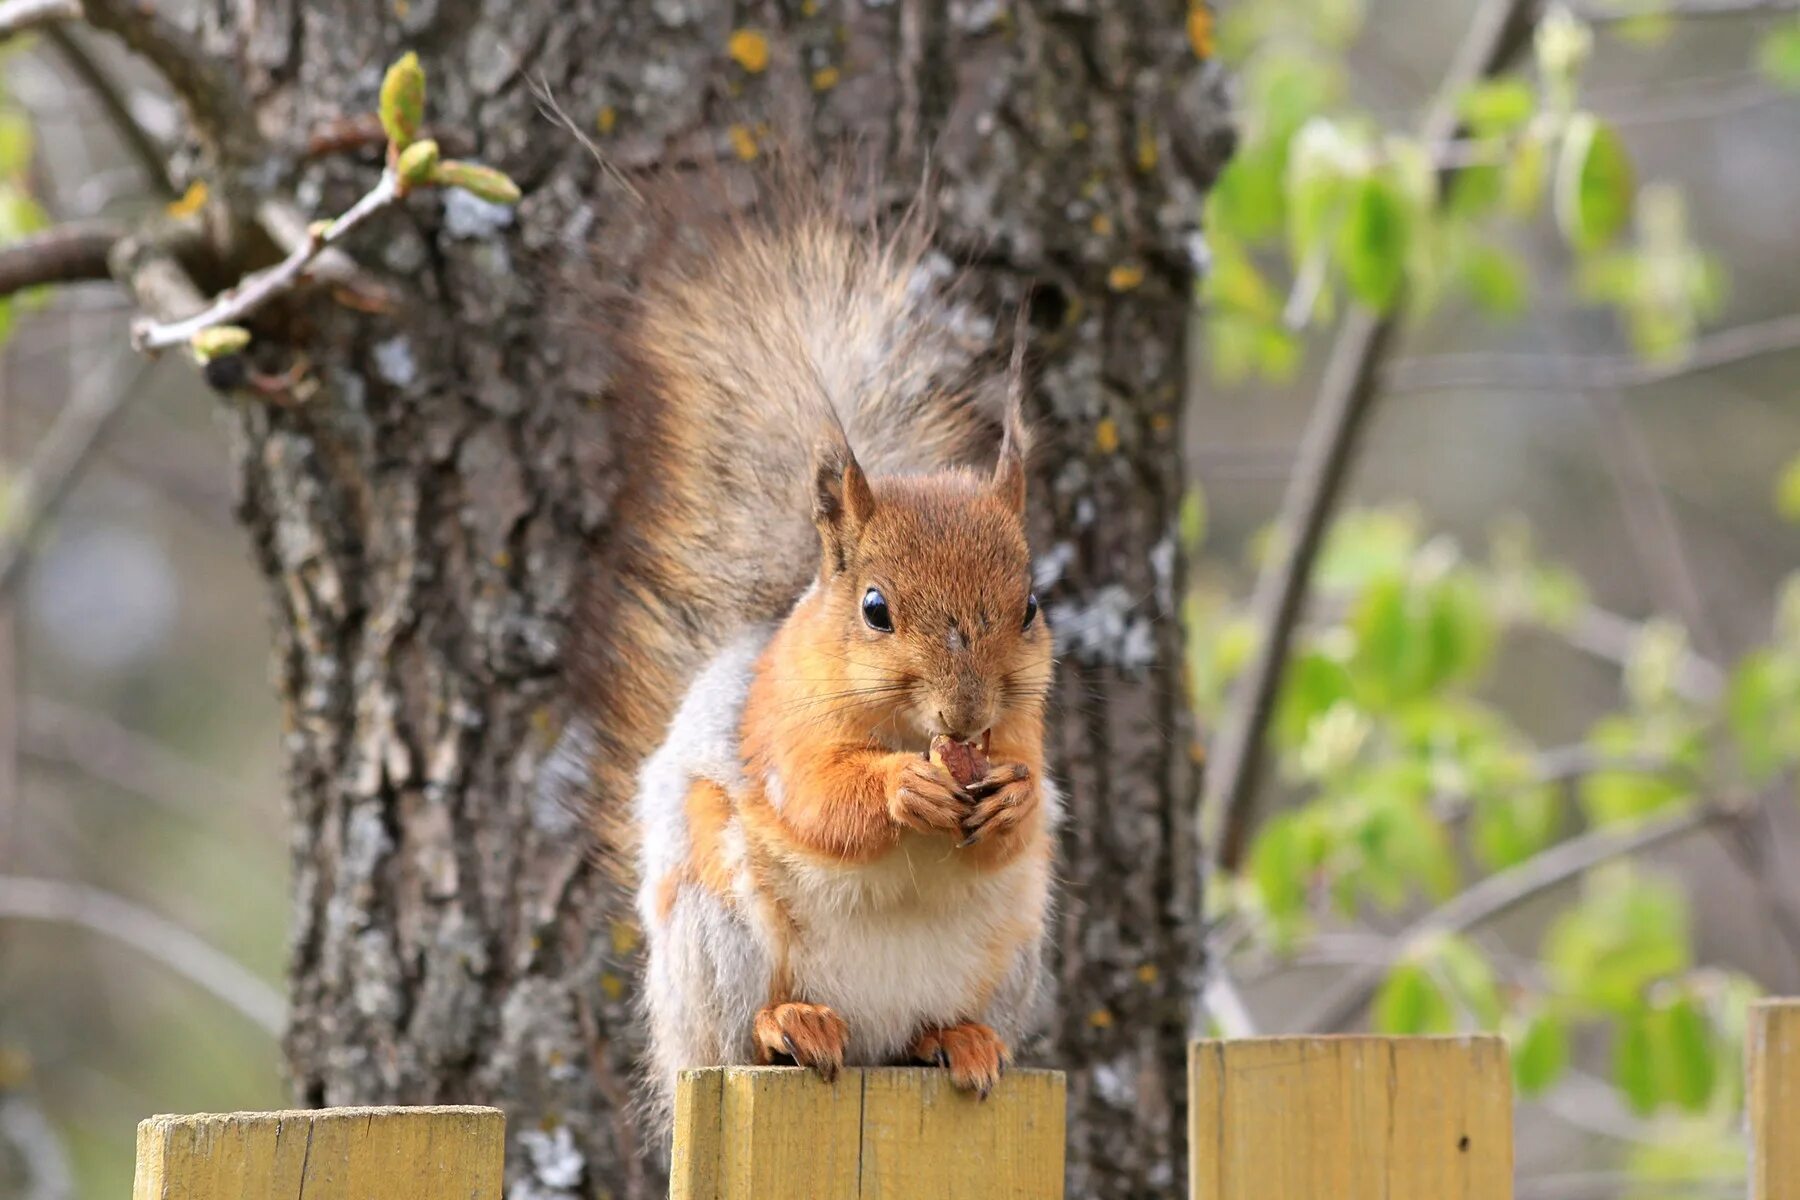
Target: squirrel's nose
(951, 729)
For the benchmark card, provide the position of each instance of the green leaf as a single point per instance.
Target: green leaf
(1787, 491)
(417, 162)
(1594, 183)
(1314, 684)
(16, 143)
(1365, 545)
(1191, 520)
(1373, 240)
(1234, 284)
(1475, 190)
(1411, 1002)
(403, 100)
(1317, 163)
(219, 340)
(1628, 932)
(1498, 106)
(1779, 56)
(1540, 1052)
(1688, 1056)
(1470, 978)
(1630, 792)
(485, 182)
(1247, 200)
(1281, 863)
(1507, 831)
(1496, 281)
(1634, 1062)
(1762, 705)
(1414, 638)
(1524, 175)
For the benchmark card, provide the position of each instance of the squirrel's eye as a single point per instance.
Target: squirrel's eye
(875, 612)
(1030, 611)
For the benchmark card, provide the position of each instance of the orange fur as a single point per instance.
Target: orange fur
(973, 1053)
(752, 367)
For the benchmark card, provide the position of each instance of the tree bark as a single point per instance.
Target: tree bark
(425, 517)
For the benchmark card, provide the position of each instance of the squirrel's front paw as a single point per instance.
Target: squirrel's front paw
(926, 799)
(1004, 797)
(974, 1055)
(810, 1034)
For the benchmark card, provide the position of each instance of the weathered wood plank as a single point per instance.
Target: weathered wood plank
(1350, 1118)
(325, 1154)
(1772, 1054)
(893, 1134)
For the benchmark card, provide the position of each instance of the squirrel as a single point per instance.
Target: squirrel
(821, 567)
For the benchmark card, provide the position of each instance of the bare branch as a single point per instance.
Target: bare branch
(71, 253)
(1609, 12)
(16, 16)
(1501, 892)
(150, 155)
(145, 264)
(58, 463)
(1346, 397)
(46, 1160)
(1613, 638)
(253, 292)
(217, 105)
(1541, 373)
(26, 899)
(100, 748)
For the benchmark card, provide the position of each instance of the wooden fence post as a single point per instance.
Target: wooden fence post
(1772, 1055)
(1350, 1118)
(759, 1133)
(324, 1154)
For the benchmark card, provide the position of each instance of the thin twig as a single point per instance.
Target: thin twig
(1541, 373)
(238, 302)
(1346, 397)
(95, 745)
(16, 16)
(71, 253)
(1614, 639)
(46, 1160)
(1501, 892)
(151, 157)
(1651, 521)
(1607, 12)
(1752, 845)
(26, 899)
(40, 489)
(217, 104)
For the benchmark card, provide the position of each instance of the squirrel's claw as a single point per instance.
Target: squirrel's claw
(974, 1055)
(1001, 776)
(809, 1034)
(1000, 811)
(927, 800)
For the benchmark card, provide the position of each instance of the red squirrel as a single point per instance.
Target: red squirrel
(822, 567)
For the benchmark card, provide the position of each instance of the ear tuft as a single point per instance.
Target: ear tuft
(842, 502)
(1009, 470)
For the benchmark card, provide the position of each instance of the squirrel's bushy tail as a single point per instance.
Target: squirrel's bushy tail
(752, 342)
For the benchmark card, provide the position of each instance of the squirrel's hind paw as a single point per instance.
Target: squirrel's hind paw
(973, 1054)
(809, 1034)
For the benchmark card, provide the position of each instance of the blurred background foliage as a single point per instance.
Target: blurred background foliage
(1534, 755)
(1533, 766)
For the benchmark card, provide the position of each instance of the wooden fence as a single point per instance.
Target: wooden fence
(1295, 1118)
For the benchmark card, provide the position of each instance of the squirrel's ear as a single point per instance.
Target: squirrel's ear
(842, 502)
(1009, 471)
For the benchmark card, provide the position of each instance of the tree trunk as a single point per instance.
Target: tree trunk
(425, 517)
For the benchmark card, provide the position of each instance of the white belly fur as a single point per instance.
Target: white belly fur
(911, 941)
